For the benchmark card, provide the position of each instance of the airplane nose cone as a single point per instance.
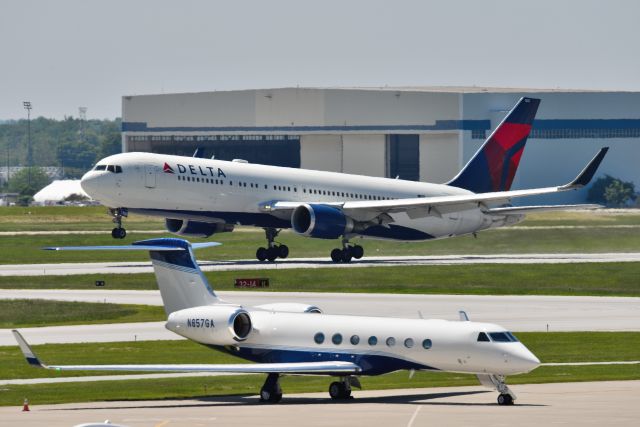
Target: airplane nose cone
(524, 360)
(89, 184)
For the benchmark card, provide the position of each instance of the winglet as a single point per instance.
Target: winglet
(587, 173)
(28, 353)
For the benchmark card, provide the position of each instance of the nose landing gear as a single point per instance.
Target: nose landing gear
(347, 253)
(118, 232)
(273, 250)
(497, 382)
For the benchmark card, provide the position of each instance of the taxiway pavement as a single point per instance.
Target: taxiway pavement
(518, 313)
(583, 404)
(64, 269)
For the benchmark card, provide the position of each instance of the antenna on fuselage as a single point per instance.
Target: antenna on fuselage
(463, 316)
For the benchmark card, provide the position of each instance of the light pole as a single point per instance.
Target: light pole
(27, 106)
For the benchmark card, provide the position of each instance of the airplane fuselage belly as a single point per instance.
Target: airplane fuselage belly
(399, 343)
(203, 189)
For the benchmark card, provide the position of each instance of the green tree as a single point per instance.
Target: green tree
(110, 140)
(19, 182)
(619, 193)
(611, 191)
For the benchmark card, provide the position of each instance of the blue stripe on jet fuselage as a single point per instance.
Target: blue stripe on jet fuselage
(371, 364)
(393, 232)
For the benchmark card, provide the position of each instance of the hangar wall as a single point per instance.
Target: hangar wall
(417, 133)
(321, 152)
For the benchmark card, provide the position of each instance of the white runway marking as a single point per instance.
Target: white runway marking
(413, 417)
(65, 269)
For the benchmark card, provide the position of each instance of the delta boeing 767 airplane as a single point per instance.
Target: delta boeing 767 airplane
(199, 197)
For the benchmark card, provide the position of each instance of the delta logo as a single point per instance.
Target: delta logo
(167, 169)
(195, 170)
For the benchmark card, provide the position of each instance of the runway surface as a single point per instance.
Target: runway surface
(583, 404)
(291, 263)
(517, 313)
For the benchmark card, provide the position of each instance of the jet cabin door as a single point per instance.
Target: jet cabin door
(150, 176)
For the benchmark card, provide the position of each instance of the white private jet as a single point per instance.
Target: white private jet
(199, 197)
(297, 339)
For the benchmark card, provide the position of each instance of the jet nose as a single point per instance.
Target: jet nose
(88, 182)
(524, 360)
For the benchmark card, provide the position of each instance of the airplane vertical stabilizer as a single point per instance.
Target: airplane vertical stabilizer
(494, 166)
(180, 280)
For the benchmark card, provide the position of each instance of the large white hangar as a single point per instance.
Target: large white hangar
(422, 133)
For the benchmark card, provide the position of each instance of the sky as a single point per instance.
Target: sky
(64, 54)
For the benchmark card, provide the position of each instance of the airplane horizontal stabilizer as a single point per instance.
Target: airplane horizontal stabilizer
(336, 367)
(142, 245)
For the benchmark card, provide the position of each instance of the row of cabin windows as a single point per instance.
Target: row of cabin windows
(287, 188)
(336, 339)
(349, 195)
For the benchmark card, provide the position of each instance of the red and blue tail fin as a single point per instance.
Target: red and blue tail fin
(494, 166)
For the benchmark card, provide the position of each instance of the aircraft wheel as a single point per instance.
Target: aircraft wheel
(268, 396)
(283, 251)
(347, 254)
(272, 253)
(261, 254)
(118, 233)
(336, 255)
(337, 390)
(505, 399)
(357, 251)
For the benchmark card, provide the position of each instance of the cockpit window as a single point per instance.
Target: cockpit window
(502, 337)
(109, 168)
(482, 337)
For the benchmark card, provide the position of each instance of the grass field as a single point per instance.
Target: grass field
(31, 313)
(602, 279)
(527, 238)
(48, 218)
(68, 218)
(549, 347)
(242, 245)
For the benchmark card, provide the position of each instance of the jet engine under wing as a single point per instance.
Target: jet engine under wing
(367, 210)
(257, 368)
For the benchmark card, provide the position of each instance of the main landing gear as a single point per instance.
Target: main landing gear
(118, 213)
(273, 250)
(338, 390)
(341, 390)
(347, 252)
(271, 391)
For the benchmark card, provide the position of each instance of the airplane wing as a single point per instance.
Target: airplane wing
(517, 210)
(257, 368)
(367, 210)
